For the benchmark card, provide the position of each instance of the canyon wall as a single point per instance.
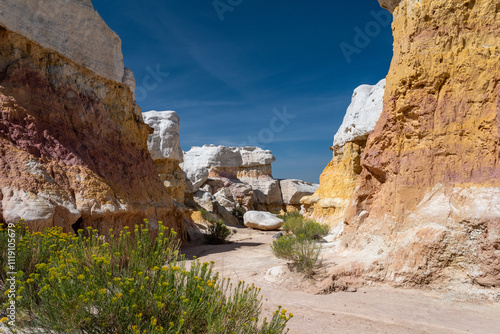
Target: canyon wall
(427, 206)
(338, 180)
(73, 147)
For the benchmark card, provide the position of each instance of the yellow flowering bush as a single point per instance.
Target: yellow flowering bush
(127, 284)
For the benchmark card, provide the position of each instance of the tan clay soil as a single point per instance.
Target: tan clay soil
(369, 310)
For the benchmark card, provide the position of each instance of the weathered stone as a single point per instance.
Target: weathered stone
(164, 142)
(71, 28)
(294, 190)
(390, 5)
(362, 114)
(264, 221)
(338, 180)
(230, 167)
(72, 147)
(226, 198)
(204, 199)
(165, 148)
(426, 210)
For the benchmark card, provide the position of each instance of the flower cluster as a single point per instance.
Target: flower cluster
(129, 283)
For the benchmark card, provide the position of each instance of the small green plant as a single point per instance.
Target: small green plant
(218, 232)
(308, 227)
(299, 245)
(304, 253)
(239, 212)
(290, 214)
(126, 283)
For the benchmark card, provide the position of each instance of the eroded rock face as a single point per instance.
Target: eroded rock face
(240, 177)
(72, 28)
(72, 145)
(235, 168)
(338, 180)
(292, 191)
(428, 202)
(390, 5)
(165, 148)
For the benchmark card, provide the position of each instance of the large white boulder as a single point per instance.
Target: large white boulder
(72, 28)
(292, 191)
(164, 142)
(362, 114)
(260, 220)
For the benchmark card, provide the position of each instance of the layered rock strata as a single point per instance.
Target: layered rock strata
(338, 180)
(246, 171)
(72, 28)
(165, 148)
(427, 207)
(236, 177)
(73, 148)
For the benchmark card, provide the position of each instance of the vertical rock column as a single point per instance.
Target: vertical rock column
(428, 203)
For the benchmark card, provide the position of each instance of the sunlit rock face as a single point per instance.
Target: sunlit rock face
(165, 148)
(72, 28)
(338, 180)
(241, 177)
(73, 147)
(234, 168)
(427, 206)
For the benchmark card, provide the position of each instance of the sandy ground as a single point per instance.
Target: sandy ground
(369, 310)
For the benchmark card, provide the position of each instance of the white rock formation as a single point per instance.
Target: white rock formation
(71, 27)
(293, 190)
(264, 221)
(200, 160)
(226, 198)
(223, 156)
(241, 177)
(165, 148)
(164, 142)
(362, 114)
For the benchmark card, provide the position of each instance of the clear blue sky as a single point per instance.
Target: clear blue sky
(225, 77)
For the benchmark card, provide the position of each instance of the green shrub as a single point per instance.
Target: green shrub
(304, 253)
(290, 214)
(218, 232)
(307, 227)
(85, 284)
(299, 245)
(239, 212)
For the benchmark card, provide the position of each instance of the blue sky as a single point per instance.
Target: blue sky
(228, 72)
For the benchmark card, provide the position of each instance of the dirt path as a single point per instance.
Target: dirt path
(369, 310)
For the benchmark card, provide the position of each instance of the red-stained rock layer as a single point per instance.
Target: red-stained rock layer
(72, 145)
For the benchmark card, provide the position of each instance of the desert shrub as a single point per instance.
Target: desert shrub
(239, 212)
(289, 215)
(299, 245)
(309, 228)
(217, 232)
(207, 215)
(85, 284)
(303, 252)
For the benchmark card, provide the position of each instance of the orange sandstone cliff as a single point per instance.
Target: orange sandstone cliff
(73, 146)
(426, 209)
